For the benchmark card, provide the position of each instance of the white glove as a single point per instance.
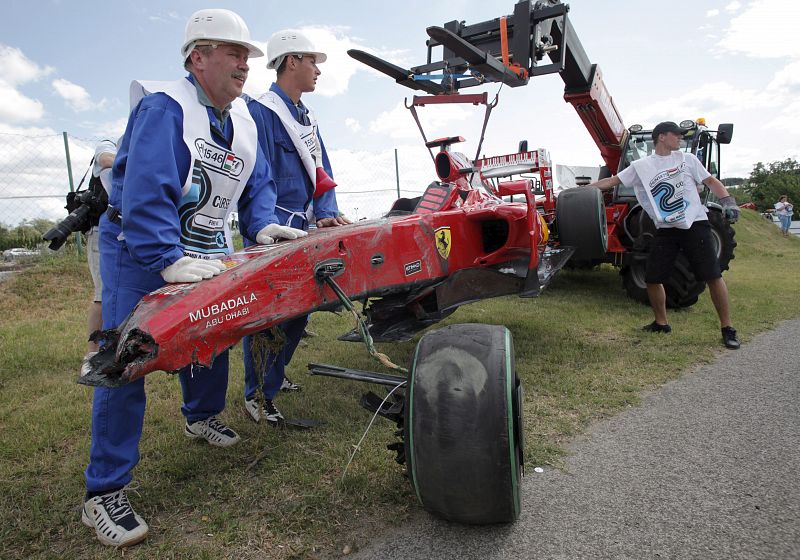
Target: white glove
(273, 232)
(190, 269)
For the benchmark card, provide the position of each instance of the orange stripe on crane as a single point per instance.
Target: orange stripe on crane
(516, 68)
(504, 40)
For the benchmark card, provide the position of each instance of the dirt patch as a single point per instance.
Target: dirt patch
(7, 269)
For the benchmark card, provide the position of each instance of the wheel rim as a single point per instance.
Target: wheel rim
(603, 225)
(717, 238)
(637, 275)
(513, 441)
(409, 432)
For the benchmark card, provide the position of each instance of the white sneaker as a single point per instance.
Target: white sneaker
(85, 367)
(268, 411)
(254, 409)
(274, 415)
(113, 519)
(213, 430)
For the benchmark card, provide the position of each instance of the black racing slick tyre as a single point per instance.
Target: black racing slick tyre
(683, 289)
(581, 222)
(463, 424)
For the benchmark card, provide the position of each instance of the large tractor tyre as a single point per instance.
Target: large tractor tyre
(581, 223)
(463, 424)
(683, 289)
(724, 237)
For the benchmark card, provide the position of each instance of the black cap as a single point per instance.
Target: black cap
(667, 126)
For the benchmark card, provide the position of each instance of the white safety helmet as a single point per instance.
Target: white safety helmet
(290, 41)
(219, 25)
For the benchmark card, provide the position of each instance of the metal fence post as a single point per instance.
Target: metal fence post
(397, 173)
(78, 240)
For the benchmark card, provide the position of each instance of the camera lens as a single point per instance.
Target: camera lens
(78, 220)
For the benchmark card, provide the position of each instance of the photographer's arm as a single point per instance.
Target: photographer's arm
(104, 155)
(106, 159)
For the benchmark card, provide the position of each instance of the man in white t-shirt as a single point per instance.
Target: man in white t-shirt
(666, 185)
(104, 155)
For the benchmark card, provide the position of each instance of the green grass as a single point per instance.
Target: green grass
(579, 352)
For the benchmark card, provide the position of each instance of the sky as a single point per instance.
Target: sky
(67, 65)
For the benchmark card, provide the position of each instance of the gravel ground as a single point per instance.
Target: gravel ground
(707, 467)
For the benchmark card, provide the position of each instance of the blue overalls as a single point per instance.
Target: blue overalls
(294, 194)
(150, 170)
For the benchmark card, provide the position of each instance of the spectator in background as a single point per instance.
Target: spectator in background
(104, 155)
(784, 211)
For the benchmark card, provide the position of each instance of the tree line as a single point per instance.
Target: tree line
(27, 234)
(767, 183)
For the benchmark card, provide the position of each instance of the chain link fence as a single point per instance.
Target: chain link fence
(36, 173)
(35, 176)
(368, 183)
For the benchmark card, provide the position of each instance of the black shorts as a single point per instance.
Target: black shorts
(695, 243)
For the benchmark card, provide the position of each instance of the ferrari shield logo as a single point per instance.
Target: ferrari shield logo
(443, 241)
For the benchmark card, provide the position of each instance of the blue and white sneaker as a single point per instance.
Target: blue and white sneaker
(213, 430)
(268, 411)
(288, 387)
(113, 519)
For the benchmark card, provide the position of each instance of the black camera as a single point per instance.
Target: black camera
(85, 208)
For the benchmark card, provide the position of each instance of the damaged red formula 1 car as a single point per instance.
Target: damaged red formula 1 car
(459, 409)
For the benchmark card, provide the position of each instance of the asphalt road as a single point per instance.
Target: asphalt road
(707, 467)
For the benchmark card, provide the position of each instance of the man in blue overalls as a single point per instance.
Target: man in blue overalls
(289, 136)
(189, 154)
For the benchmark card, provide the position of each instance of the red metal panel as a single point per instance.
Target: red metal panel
(265, 285)
(596, 109)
